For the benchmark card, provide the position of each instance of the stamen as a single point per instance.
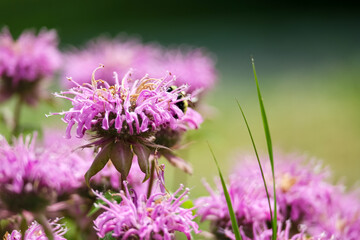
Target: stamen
(93, 80)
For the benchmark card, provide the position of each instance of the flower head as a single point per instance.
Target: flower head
(157, 217)
(31, 177)
(303, 196)
(27, 61)
(124, 118)
(36, 232)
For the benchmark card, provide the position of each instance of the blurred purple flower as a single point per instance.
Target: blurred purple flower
(36, 232)
(25, 62)
(158, 217)
(31, 177)
(117, 55)
(303, 197)
(284, 233)
(192, 67)
(342, 219)
(124, 118)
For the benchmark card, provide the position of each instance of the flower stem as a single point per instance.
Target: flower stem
(122, 186)
(23, 225)
(151, 180)
(41, 219)
(17, 115)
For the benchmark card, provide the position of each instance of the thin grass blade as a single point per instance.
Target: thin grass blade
(257, 157)
(270, 149)
(234, 223)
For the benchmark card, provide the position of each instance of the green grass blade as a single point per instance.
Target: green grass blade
(257, 157)
(270, 149)
(234, 223)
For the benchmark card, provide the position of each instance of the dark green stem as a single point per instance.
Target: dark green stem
(122, 186)
(41, 219)
(23, 226)
(151, 180)
(17, 115)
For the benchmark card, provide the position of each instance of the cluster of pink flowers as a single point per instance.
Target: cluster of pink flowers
(31, 176)
(26, 61)
(36, 232)
(195, 67)
(132, 110)
(304, 198)
(137, 217)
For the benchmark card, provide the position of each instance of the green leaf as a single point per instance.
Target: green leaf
(234, 223)
(3, 224)
(93, 209)
(73, 231)
(108, 236)
(257, 157)
(109, 195)
(188, 204)
(270, 150)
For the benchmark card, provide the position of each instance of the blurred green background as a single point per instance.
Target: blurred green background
(307, 59)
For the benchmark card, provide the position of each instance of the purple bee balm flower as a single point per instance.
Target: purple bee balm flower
(342, 217)
(284, 233)
(31, 177)
(25, 62)
(192, 67)
(124, 118)
(36, 232)
(303, 197)
(137, 217)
